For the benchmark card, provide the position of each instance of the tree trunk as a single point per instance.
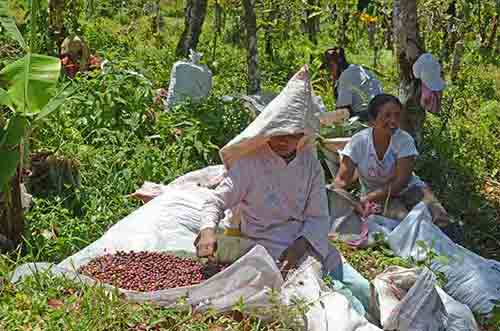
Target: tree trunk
(408, 48)
(252, 49)
(268, 38)
(218, 23)
(312, 23)
(450, 34)
(457, 59)
(194, 13)
(56, 20)
(157, 17)
(344, 21)
(493, 35)
(11, 215)
(89, 9)
(388, 30)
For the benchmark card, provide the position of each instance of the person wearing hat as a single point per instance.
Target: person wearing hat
(353, 85)
(424, 95)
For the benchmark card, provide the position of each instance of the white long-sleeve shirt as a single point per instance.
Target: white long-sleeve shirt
(278, 202)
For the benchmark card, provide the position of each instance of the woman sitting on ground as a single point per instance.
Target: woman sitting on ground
(384, 157)
(277, 185)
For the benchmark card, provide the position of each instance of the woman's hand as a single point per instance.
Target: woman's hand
(367, 207)
(291, 256)
(439, 215)
(206, 244)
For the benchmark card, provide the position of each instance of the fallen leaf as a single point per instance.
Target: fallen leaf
(55, 303)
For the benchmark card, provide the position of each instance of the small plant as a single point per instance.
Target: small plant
(431, 256)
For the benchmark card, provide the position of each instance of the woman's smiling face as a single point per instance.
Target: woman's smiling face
(388, 117)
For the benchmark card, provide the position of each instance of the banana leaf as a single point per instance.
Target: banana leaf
(8, 166)
(30, 82)
(15, 132)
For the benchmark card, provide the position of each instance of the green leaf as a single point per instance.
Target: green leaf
(31, 82)
(318, 13)
(4, 98)
(15, 131)
(10, 26)
(56, 101)
(387, 251)
(7, 166)
(422, 244)
(442, 259)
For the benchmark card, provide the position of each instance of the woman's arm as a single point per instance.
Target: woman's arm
(404, 170)
(228, 194)
(345, 176)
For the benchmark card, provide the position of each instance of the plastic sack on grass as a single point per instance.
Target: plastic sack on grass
(189, 79)
(170, 223)
(250, 278)
(408, 299)
(471, 279)
(208, 177)
(256, 103)
(328, 310)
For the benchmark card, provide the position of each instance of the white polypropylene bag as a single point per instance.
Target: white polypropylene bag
(170, 223)
(471, 279)
(327, 310)
(250, 279)
(189, 79)
(408, 299)
(290, 112)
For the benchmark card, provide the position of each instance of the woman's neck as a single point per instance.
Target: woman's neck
(381, 141)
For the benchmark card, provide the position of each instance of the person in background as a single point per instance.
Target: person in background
(75, 56)
(353, 85)
(424, 95)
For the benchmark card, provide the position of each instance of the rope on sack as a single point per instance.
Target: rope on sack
(387, 199)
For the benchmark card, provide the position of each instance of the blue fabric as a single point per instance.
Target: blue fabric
(346, 280)
(337, 273)
(359, 285)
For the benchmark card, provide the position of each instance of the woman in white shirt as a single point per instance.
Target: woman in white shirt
(353, 85)
(384, 156)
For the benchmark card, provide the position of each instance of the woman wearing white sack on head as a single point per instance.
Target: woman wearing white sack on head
(422, 96)
(277, 183)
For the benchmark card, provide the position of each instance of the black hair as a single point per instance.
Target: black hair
(337, 55)
(378, 101)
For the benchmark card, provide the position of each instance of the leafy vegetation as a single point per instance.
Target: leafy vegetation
(112, 133)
